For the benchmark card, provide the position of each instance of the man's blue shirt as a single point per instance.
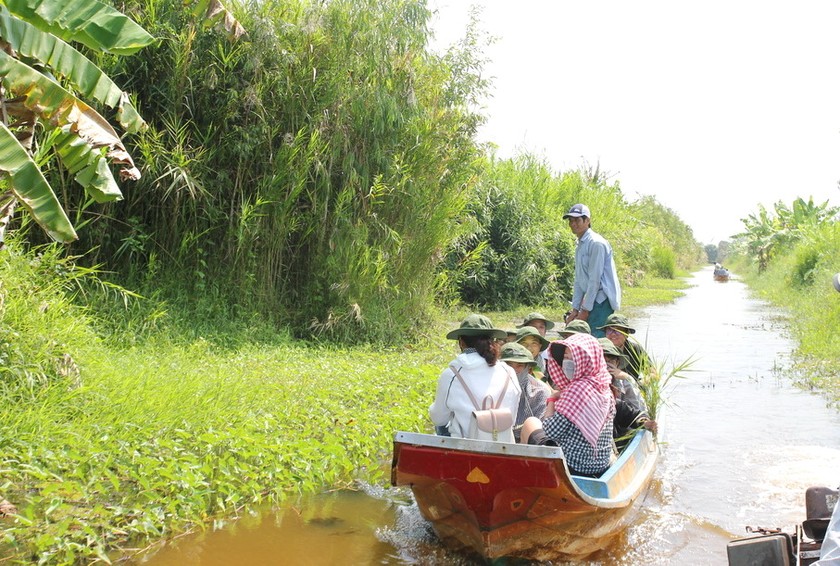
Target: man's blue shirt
(596, 278)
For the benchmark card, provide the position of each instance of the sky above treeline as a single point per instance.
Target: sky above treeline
(714, 107)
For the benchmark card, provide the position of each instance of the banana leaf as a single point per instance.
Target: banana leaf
(31, 188)
(60, 108)
(214, 13)
(88, 166)
(65, 60)
(89, 22)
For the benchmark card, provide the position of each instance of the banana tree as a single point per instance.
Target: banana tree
(43, 79)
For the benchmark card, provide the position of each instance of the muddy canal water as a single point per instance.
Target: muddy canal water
(739, 444)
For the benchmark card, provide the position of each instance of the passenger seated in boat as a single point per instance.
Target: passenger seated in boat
(478, 366)
(536, 343)
(538, 321)
(534, 392)
(574, 327)
(630, 408)
(618, 330)
(580, 418)
(511, 335)
(623, 381)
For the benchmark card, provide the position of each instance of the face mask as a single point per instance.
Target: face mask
(569, 368)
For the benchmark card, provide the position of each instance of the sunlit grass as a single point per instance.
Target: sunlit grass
(158, 439)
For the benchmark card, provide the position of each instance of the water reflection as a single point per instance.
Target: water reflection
(740, 446)
(331, 528)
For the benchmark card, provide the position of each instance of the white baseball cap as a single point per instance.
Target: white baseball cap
(577, 211)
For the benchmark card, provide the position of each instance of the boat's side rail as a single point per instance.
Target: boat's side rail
(482, 446)
(623, 478)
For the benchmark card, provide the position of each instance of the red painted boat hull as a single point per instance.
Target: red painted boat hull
(503, 500)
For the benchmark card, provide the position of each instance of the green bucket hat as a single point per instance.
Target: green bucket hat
(526, 331)
(515, 352)
(619, 321)
(536, 316)
(476, 325)
(610, 349)
(577, 326)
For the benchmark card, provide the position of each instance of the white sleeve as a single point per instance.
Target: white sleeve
(830, 551)
(439, 412)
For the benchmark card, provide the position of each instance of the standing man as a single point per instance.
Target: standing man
(597, 293)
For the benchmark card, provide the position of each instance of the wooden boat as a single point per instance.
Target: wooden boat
(721, 275)
(515, 500)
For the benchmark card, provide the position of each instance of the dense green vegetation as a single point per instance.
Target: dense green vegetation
(266, 305)
(320, 172)
(789, 256)
(312, 171)
(518, 250)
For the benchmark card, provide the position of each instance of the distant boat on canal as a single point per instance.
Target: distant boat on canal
(721, 273)
(513, 500)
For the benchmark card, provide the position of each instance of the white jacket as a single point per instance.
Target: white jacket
(452, 405)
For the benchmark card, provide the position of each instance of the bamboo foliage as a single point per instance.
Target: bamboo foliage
(322, 159)
(516, 249)
(323, 170)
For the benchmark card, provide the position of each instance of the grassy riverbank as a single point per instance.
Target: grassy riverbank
(788, 255)
(107, 446)
(812, 311)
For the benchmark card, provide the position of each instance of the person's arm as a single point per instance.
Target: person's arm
(629, 416)
(549, 407)
(644, 421)
(439, 412)
(577, 292)
(624, 414)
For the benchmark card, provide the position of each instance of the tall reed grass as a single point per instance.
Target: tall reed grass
(311, 173)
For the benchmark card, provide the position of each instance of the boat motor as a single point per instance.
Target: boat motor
(773, 547)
